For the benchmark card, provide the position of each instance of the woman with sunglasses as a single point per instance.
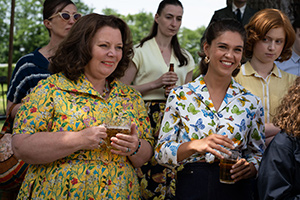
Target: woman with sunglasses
(59, 16)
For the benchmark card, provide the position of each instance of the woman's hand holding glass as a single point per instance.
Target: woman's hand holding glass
(93, 137)
(125, 144)
(242, 170)
(212, 143)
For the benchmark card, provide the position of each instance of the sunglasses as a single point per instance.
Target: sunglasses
(66, 16)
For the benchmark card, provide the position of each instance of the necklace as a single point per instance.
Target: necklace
(105, 90)
(162, 49)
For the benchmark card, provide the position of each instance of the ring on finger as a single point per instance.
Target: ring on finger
(128, 150)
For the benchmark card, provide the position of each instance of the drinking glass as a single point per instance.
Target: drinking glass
(226, 165)
(117, 124)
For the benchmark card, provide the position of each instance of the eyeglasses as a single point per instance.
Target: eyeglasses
(66, 16)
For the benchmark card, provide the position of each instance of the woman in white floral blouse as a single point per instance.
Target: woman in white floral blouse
(210, 113)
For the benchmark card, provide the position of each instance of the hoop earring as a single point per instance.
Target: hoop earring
(239, 66)
(206, 60)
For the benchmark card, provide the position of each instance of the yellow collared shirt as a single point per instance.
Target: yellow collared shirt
(270, 90)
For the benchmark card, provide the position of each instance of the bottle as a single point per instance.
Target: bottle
(171, 69)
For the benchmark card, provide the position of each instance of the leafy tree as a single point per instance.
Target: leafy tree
(190, 40)
(4, 30)
(110, 11)
(140, 25)
(29, 31)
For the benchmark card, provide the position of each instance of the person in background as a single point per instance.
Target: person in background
(149, 73)
(238, 10)
(59, 128)
(208, 116)
(270, 37)
(59, 16)
(279, 174)
(292, 65)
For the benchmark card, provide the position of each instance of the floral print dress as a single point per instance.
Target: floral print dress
(190, 115)
(58, 104)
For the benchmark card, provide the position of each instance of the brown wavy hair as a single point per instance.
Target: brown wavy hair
(261, 23)
(75, 51)
(287, 117)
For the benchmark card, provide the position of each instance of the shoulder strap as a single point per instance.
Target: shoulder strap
(10, 109)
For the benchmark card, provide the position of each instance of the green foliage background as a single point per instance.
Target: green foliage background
(30, 33)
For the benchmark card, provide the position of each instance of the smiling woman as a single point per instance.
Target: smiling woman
(68, 140)
(204, 119)
(107, 48)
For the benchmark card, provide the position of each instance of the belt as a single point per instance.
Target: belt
(155, 101)
(217, 160)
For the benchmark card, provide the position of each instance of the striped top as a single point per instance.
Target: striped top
(29, 70)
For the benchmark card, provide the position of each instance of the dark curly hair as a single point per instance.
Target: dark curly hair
(287, 117)
(74, 53)
(216, 29)
(261, 23)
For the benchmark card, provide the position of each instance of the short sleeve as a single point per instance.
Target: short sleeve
(35, 113)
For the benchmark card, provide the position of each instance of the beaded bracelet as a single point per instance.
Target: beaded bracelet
(138, 148)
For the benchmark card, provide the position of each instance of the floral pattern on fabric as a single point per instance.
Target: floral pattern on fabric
(58, 104)
(157, 182)
(190, 115)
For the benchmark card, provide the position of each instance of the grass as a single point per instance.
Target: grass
(1, 123)
(2, 103)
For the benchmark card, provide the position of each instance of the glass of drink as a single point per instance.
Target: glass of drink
(117, 124)
(226, 165)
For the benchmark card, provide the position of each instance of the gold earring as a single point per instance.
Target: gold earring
(239, 66)
(206, 60)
